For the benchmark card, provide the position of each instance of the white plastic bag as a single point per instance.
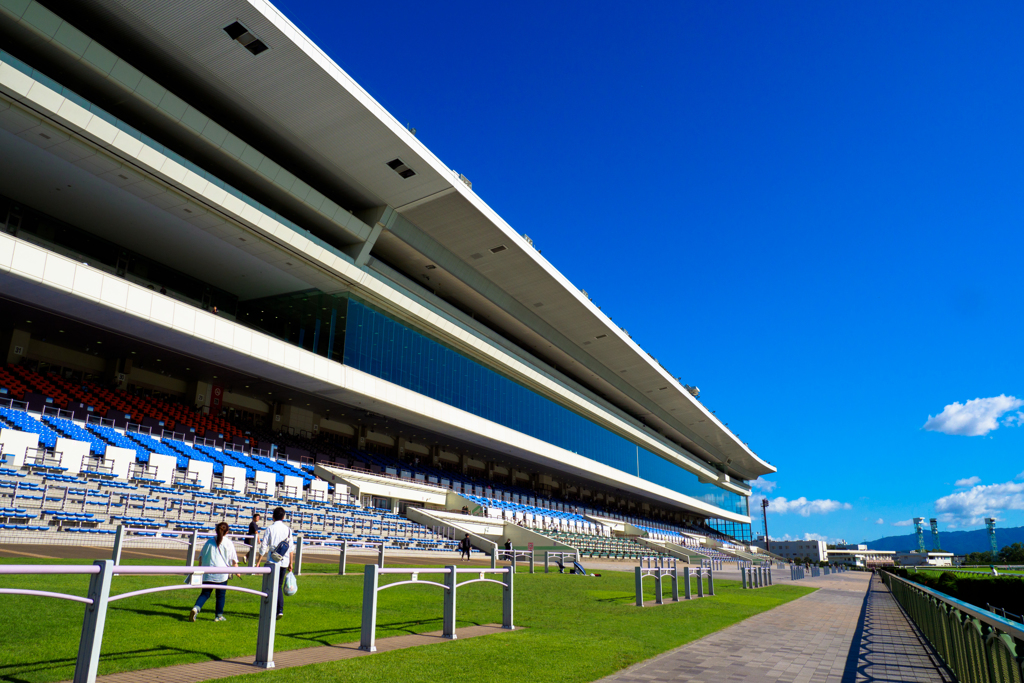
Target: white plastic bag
(291, 586)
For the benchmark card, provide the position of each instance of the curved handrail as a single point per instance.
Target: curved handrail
(160, 589)
(147, 571)
(402, 583)
(500, 583)
(45, 594)
(49, 569)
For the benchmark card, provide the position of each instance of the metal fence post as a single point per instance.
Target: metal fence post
(92, 625)
(700, 583)
(343, 558)
(380, 557)
(494, 558)
(118, 544)
(254, 548)
(268, 618)
(639, 580)
(367, 631)
(451, 582)
(770, 576)
(190, 560)
(686, 581)
(743, 576)
(711, 582)
(547, 556)
(659, 599)
(298, 555)
(675, 582)
(507, 603)
(531, 562)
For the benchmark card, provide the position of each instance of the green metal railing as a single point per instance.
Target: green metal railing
(977, 645)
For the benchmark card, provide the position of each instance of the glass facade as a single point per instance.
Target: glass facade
(385, 348)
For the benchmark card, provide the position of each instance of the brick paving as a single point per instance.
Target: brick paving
(204, 671)
(849, 631)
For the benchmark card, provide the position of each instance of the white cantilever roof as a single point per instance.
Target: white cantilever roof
(318, 118)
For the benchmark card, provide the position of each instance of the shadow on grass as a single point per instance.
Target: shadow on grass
(335, 636)
(178, 613)
(24, 668)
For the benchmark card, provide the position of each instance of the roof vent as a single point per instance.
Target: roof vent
(246, 38)
(498, 249)
(430, 267)
(601, 336)
(399, 167)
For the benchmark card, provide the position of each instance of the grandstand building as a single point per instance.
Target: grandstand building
(223, 265)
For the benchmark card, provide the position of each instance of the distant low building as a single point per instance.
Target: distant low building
(860, 556)
(928, 559)
(816, 551)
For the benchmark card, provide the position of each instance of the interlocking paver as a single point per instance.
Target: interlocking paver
(849, 631)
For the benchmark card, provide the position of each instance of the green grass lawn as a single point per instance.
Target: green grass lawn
(575, 628)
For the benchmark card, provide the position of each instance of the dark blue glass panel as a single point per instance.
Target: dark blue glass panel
(383, 347)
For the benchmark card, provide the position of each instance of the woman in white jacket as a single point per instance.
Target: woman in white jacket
(217, 552)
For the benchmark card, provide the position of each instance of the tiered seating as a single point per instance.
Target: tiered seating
(115, 438)
(22, 421)
(41, 384)
(10, 385)
(70, 430)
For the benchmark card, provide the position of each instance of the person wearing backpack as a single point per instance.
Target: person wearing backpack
(216, 553)
(276, 547)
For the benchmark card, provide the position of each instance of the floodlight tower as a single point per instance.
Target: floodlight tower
(920, 533)
(990, 524)
(935, 533)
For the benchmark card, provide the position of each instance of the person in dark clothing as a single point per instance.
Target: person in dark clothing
(254, 529)
(465, 510)
(508, 544)
(464, 547)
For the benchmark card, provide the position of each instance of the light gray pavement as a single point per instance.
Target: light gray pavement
(849, 631)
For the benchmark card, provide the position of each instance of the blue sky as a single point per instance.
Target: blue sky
(810, 210)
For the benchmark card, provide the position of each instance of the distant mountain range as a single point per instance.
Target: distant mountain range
(958, 542)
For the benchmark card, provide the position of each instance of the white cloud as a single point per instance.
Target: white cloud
(762, 484)
(815, 537)
(970, 507)
(903, 522)
(804, 507)
(976, 417)
(880, 521)
(967, 483)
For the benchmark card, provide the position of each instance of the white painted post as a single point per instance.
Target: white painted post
(451, 581)
(342, 558)
(92, 625)
(507, 603)
(118, 544)
(367, 631)
(268, 619)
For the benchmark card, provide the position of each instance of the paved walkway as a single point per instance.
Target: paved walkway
(849, 631)
(204, 671)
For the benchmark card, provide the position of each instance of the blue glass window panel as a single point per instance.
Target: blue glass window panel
(385, 348)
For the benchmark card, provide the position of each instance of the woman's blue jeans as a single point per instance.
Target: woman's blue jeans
(221, 594)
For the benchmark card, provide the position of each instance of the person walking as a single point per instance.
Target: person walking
(271, 546)
(218, 552)
(254, 530)
(465, 546)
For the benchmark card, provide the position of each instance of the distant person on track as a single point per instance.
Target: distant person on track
(464, 547)
(508, 544)
(254, 530)
(271, 545)
(217, 552)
